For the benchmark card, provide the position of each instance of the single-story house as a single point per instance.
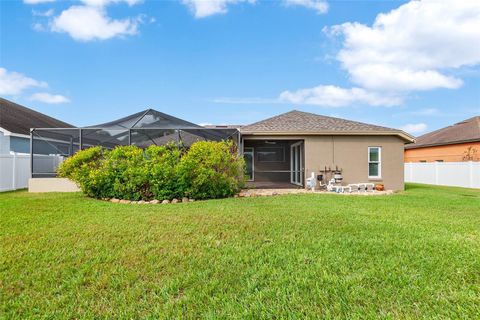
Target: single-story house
(287, 148)
(280, 151)
(15, 124)
(455, 143)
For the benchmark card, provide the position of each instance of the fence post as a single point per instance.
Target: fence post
(436, 172)
(14, 171)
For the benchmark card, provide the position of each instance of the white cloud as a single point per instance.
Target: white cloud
(103, 3)
(319, 6)
(414, 128)
(205, 8)
(49, 98)
(47, 13)
(416, 47)
(13, 83)
(38, 27)
(333, 96)
(85, 23)
(387, 77)
(413, 47)
(37, 1)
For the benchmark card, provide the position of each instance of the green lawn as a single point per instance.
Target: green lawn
(411, 255)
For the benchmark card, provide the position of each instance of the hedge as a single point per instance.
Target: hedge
(206, 170)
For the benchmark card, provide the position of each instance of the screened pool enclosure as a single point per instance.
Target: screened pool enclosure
(50, 146)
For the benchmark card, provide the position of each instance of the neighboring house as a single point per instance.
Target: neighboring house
(15, 124)
(15, 160)
(456, 143)
(287, 148)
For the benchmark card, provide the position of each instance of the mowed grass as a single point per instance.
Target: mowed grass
(415, 254)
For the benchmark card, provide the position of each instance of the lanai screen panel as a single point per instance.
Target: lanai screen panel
(50, 147)
(154, 120)
(107, 138)
(190, 136)
(142, 129)
(144, 138)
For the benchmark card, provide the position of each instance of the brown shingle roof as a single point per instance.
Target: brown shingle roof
(19, 119)
(463, 131)
(304, 122)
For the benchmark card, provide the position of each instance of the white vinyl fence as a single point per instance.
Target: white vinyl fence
(15, 169)
(459, 174)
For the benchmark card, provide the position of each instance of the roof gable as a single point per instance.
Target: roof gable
(463, 131)
(19, 119)
(299, 122)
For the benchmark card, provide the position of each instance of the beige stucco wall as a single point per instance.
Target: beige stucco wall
(350, 153)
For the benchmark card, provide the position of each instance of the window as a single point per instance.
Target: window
(374, 162)
(438, 160)
(423, 161)
(271, 154)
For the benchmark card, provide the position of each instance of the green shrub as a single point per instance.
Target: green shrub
(206, 170)
(211, 170)
(81, 162)
(125, 170)
(161, 165)
(82, 166)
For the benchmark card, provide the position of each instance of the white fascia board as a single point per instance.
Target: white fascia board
(8, 133)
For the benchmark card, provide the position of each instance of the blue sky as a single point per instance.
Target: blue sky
(414, 65)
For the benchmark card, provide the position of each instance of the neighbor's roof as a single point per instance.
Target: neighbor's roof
(301, 123)
(19, 119)
(461, 132)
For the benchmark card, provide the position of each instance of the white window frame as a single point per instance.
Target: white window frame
(379, 163)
